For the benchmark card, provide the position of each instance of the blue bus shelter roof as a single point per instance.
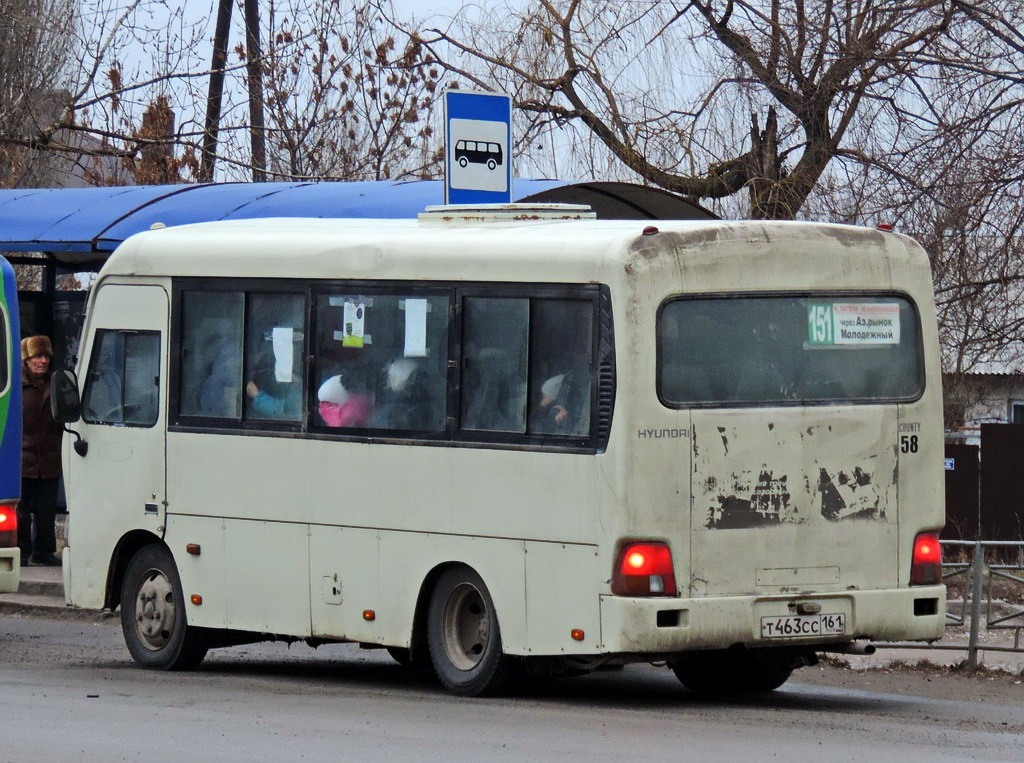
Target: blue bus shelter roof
(82, 225)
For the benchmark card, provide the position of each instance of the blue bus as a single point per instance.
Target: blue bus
(10, 430)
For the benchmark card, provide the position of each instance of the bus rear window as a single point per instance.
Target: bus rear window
(789, 350)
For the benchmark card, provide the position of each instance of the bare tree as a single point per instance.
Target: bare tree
(77, 78)
(34, 82)
(343, 99)
(710, 98)
(951, 173)
(902, 111)
(108, 92)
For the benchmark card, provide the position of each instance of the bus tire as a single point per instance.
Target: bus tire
(463, 635)
(153, 614)
(720, 673)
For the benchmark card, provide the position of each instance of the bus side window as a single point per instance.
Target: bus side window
(211, 354)
(410, 381)
(561, 366)
(122, 384)
(381, 361)
(275, 329)
(494, 359)
(343, 364)
(141, 378)
(103, 387)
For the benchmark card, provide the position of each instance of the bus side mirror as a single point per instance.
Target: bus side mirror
(65, 403)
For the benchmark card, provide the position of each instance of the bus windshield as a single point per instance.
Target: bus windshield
(789, 350)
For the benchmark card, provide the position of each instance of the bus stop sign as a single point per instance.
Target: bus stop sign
(477, 148)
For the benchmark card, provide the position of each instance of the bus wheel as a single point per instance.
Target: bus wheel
(463, 635)
(711, 674)
(153, 614)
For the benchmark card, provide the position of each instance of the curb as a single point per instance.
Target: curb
(49, 607)
(40, 588)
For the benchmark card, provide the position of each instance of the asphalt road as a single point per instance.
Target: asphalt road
(68, 691)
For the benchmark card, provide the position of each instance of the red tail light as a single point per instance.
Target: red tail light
(8, 526)
(644, 569)
(926, 566)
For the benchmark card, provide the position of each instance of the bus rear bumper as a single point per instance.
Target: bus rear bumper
(658, 626)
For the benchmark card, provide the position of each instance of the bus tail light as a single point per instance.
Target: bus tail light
(8, 525)
(926, 566)
(644, 569)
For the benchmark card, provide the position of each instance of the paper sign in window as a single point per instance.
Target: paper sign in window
(353, 321)
(415, 328)
(283, 338)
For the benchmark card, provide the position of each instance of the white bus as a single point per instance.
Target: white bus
(519, 445)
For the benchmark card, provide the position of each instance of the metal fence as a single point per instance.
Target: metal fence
(990, 575)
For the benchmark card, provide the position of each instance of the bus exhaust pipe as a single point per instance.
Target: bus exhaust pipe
(863, 649)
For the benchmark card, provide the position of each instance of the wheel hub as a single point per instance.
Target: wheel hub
(466, 627)
(155, 610)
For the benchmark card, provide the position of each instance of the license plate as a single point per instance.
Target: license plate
(795, 626)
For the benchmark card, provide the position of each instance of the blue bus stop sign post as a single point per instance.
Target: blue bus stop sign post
(477, 147)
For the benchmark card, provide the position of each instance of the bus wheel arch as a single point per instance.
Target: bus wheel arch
(418, 656)
(129, 545)
(153, 617)
(463, 634)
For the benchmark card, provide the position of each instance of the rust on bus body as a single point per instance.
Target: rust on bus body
(743, 480)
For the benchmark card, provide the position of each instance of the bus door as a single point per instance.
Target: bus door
(123, 416)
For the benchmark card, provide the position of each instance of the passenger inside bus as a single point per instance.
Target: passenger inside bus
(269, 397)
(561, 366)
(342, 407)
(408, 399)
(219, 395)
(494, 389)
(273, 349)
(565, 404)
